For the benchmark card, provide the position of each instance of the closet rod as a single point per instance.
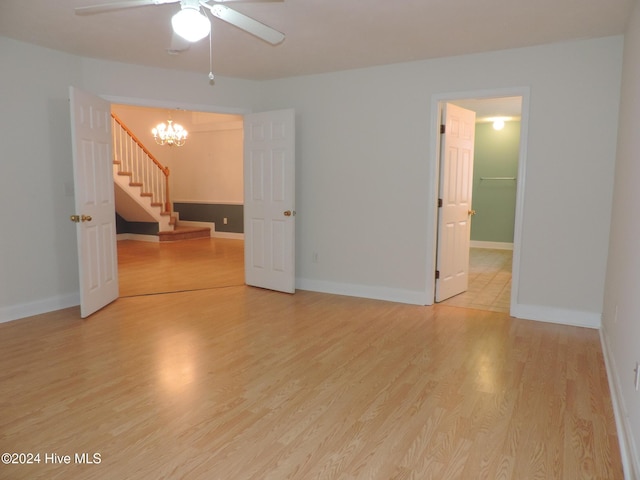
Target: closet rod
(497, 178)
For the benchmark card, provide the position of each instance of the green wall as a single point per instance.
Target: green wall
(496, 155)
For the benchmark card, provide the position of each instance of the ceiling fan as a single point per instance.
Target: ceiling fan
(191, 24)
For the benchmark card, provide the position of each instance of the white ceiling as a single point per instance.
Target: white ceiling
(322, 35)
(487, 109)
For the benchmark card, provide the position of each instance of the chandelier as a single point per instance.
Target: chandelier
(170, 135)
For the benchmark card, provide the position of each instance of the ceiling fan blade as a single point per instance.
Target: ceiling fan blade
(246, 1)
(108, 7)
(245, 23)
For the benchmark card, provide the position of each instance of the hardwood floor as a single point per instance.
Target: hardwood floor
(489, 281)
(147, 268)
(241, 383)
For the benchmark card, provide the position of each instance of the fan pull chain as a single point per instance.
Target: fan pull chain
(211, 76)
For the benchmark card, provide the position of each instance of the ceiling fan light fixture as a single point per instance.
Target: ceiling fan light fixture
(190, 24)
(498, 124)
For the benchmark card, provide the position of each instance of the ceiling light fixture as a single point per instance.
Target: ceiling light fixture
(498, 124)
(170, 135)
(189, 23)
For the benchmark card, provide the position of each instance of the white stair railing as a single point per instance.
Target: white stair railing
(136, 160)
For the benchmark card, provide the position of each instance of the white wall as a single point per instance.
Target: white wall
(363, 188)
(154, 87)
(363, 160)
(621, 315)
(38, 263)
(208, 168)
(38, 259)
(140, 120)
(364, 153)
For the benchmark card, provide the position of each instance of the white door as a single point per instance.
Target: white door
(94, 200)
(454, 212)
(269, 200)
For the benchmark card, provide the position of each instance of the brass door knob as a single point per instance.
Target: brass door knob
(86, 218)
(472, 212)
(74, 218)
(288, 213)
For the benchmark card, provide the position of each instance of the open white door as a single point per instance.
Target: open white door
(94, 200)
(454, 212)
(269, 200)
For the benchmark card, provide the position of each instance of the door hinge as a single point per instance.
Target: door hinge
(443, 129)
(439, 203)
(437, 274)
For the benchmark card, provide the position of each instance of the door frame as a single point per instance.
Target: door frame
(172, 105)
(434, 175)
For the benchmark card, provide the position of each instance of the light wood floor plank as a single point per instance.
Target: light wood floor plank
(238, 383)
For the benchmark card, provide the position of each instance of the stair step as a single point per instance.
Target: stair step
(125, 174)
(146, 194)
(184, 233)
(135, 184)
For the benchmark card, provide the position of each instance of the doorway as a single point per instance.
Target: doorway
(269, 163)
(498, 188)
(206, 185)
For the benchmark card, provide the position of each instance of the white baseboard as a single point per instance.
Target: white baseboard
(628, 451)
(557, 315)
(15, 312)
(363, 291)
(492, 245)
(137, 237)
(527, 312)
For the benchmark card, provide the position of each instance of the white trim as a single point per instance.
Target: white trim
(434, 178)
(491, 245)
(432, 183)
(363, 291)
(561, 316)
(519, 214)
(628, 452)
(138, 237)
(15, 312)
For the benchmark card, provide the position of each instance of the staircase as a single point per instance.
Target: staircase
(142, 186)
